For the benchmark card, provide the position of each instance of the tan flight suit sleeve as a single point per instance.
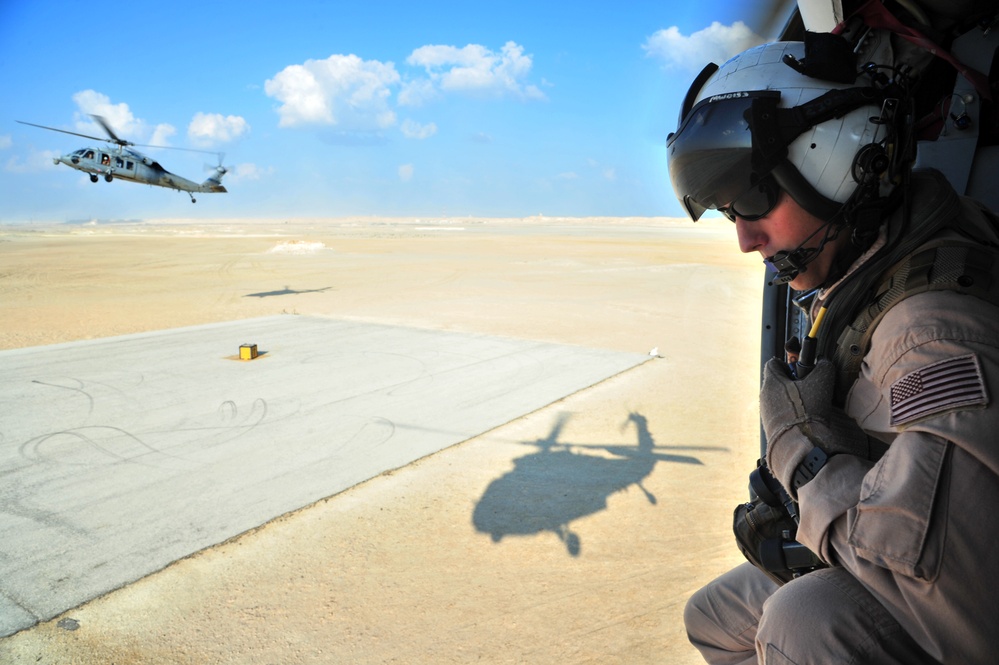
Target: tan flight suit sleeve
(919, 527)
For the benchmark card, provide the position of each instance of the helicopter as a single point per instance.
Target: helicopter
(127, 164)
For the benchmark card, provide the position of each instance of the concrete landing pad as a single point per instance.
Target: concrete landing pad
(119, 456)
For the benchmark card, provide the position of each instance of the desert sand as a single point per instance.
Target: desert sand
(393, 569)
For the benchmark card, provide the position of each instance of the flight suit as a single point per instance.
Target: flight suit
(910, 539)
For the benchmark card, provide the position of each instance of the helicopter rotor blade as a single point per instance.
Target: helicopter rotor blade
(86, 136)
(107, 128)
(170, 147)
(113, 138)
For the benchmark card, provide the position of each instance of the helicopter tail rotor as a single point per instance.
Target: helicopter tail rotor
(218, 170)
(214, 181)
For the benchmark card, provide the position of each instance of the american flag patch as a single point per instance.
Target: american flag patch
(942, 386)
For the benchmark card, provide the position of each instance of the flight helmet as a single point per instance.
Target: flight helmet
(779, 118)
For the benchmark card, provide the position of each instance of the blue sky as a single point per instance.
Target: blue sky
(334, 109)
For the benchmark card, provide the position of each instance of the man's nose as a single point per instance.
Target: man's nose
(750, 234)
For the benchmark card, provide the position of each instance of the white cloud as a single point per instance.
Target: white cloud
(568, 175)
(210, 128)
(5, 141)
(342, 90)
(716, 43)
(417, 93)
(34, 161)
(414, 130)
(161, 134)
(406, 172)
(476, 69)
(610, 174)
(247, 171)
(119, 117)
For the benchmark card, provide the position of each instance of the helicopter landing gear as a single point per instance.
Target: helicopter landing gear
(93, 177)
(193, 200)
(108, 177)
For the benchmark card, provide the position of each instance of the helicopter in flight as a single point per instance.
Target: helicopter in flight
(127, 164)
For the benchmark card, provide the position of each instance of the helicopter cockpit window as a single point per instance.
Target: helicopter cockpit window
(89, 155)
(80, 152)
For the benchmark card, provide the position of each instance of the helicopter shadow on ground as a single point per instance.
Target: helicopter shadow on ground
(286, 291)
(547, 490)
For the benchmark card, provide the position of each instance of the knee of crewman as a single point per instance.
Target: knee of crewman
(694, 615)
(705, 628)
(721, 616)
(725, 612)
(828, 612)
(790, 620)
(783, 609)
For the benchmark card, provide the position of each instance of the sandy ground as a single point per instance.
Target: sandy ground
(394, 570)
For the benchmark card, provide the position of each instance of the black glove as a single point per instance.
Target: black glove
(765, 529)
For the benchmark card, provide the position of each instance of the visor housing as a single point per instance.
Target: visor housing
(710, 155)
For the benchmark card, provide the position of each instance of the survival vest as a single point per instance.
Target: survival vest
(952, 245)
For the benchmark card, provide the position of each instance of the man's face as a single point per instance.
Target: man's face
(792, 357)
(786, 227)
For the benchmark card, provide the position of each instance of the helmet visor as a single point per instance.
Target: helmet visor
(710, 156)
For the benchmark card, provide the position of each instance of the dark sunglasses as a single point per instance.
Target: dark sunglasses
(754, 204)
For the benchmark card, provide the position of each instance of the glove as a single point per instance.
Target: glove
(799, 416)
(762, 532)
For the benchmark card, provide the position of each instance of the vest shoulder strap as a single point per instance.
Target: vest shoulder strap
(953, 264)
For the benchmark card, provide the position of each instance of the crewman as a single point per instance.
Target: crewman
(888, 445)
